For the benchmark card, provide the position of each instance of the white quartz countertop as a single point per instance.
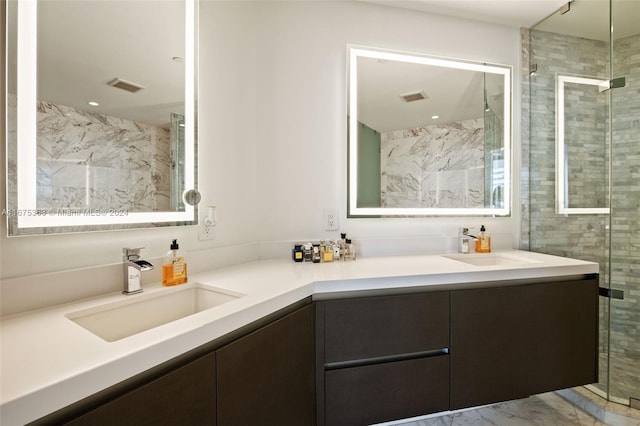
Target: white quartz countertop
(48, 362)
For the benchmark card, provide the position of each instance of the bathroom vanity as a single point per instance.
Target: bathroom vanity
(342, 343)
(389, 357)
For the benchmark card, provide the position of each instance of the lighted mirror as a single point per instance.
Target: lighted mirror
(101, 108)
(427, 135)
(582, 183)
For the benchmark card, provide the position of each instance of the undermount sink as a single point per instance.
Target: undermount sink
(492, 259)
(135, 314)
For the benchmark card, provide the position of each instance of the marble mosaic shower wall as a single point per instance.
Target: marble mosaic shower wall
(434, 166)
(578, 236)
(94, 161)
(587, 236)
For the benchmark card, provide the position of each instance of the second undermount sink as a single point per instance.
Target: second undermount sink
(490, 259)
(135, 314)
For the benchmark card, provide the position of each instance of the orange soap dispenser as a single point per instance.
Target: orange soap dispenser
(483, 241)
(174, 267)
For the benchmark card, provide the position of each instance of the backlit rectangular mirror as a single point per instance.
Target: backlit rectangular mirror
(427, 135)
(101, 114)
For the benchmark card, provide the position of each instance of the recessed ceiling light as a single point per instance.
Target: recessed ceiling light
(93, 103)
(435, 117)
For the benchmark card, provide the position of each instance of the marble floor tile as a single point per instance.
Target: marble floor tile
(625, 376)
(546, 409)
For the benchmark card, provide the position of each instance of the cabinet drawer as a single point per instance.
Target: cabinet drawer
(386, 325)
(383, 392)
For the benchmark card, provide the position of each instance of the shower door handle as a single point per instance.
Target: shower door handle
(611, 293)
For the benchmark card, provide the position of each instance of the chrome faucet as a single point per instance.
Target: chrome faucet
(464, 240)
(132, 266)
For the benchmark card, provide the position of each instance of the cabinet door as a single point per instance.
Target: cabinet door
(185, 396)
(359, 396)
(372, 327)
(512, 342)
(267, 377)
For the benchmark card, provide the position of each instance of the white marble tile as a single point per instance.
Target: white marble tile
(432, 160)
(88, 160)
(98, 177)
(99, 199)
(69, 197)
(70, 176)
(403, 182)
(44, 197)
(404, 198)
(546, 409)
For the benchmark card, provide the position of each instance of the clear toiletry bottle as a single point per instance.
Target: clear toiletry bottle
(316, 253)
(174, 267)
(343, 244)
(483, 241)
(307, 252)
(349, 250)
(336, 250)
(327, 252)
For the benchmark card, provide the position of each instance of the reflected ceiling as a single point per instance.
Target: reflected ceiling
(101, 40)
(516, 13)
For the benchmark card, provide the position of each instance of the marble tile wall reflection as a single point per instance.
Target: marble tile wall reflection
(434, 166)
(94, 161)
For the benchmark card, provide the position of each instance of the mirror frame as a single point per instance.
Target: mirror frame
(353, 53)
(28, 215)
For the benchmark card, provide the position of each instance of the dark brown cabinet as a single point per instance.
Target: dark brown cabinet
(512, 342)
(390, 357)
(267, 377)
(185, 396)
(382, 358)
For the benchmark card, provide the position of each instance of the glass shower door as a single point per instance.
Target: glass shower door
(599, 154)
(624, 348)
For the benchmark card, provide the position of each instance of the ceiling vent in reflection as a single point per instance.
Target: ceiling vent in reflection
(414, 96)
(125, 85)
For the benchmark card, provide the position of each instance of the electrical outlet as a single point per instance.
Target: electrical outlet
(205, 232)
(330, 219)
(207, 223)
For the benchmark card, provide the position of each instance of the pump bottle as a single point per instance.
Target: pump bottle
(483, 241)
(174, 267)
